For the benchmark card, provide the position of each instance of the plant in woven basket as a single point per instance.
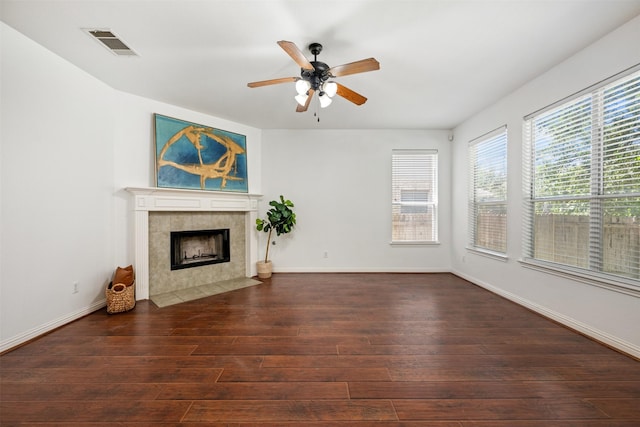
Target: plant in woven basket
(281, 218)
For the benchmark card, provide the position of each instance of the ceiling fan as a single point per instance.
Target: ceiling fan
(315, 75)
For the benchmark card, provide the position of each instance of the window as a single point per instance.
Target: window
(582, 182)
(414, 192)
(488, 192)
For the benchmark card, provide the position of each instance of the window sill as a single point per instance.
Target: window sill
(627, 287)
(489, 254)
(413, 243)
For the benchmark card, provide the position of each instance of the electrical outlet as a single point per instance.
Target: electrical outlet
(76, 286)
(326, 254)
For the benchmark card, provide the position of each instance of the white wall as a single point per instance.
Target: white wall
(70, 145)
(57, 182)
(606, 315)
(339, 181)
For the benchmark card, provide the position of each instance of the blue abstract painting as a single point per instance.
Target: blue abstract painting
(198, 157)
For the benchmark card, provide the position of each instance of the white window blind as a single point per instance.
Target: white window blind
(488, 192)
(582, 182)
(414, 191)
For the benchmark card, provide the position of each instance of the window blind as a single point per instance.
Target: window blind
(414, 192)
(488, 192)
(582, 182)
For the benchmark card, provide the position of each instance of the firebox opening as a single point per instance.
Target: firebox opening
(201, 247)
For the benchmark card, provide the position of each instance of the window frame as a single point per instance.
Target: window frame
(492, 140)
(429, 205)
(590, 275)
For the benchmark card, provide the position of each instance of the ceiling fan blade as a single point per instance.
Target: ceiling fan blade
(296, 54)
(303, 108)
(273, 81)
(361, 66)
(350, 95)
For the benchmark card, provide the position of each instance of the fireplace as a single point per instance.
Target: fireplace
(199, 247)
(158, 211)
(199, 243)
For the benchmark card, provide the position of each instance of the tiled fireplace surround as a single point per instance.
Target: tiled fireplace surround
(158, 211)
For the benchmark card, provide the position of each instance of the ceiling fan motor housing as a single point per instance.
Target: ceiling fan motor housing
(320, 73)
(317, 76)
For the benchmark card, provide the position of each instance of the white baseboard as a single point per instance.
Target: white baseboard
(357, 270)
(596, 334)
(49, 326)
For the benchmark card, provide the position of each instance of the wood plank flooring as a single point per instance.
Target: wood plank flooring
(322, 350)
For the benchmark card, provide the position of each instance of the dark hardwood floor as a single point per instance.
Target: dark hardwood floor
(323, 350)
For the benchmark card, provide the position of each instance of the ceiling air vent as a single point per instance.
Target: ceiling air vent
(111, 41)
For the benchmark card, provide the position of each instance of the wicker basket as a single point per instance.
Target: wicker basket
(120, 297)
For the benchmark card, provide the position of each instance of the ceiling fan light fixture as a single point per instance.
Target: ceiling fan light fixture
(325, 101)
(302, 98)
(330, 88)
(302, 86)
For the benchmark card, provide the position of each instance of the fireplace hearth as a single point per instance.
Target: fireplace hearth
(195, 248)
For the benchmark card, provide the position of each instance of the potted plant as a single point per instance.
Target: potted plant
(280, 218)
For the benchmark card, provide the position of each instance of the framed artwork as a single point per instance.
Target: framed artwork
(197, 157)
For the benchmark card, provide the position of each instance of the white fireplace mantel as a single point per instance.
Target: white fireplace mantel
(175, 200)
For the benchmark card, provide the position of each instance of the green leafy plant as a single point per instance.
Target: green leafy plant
(280, 218)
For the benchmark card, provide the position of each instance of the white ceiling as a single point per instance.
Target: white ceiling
(440, 61)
